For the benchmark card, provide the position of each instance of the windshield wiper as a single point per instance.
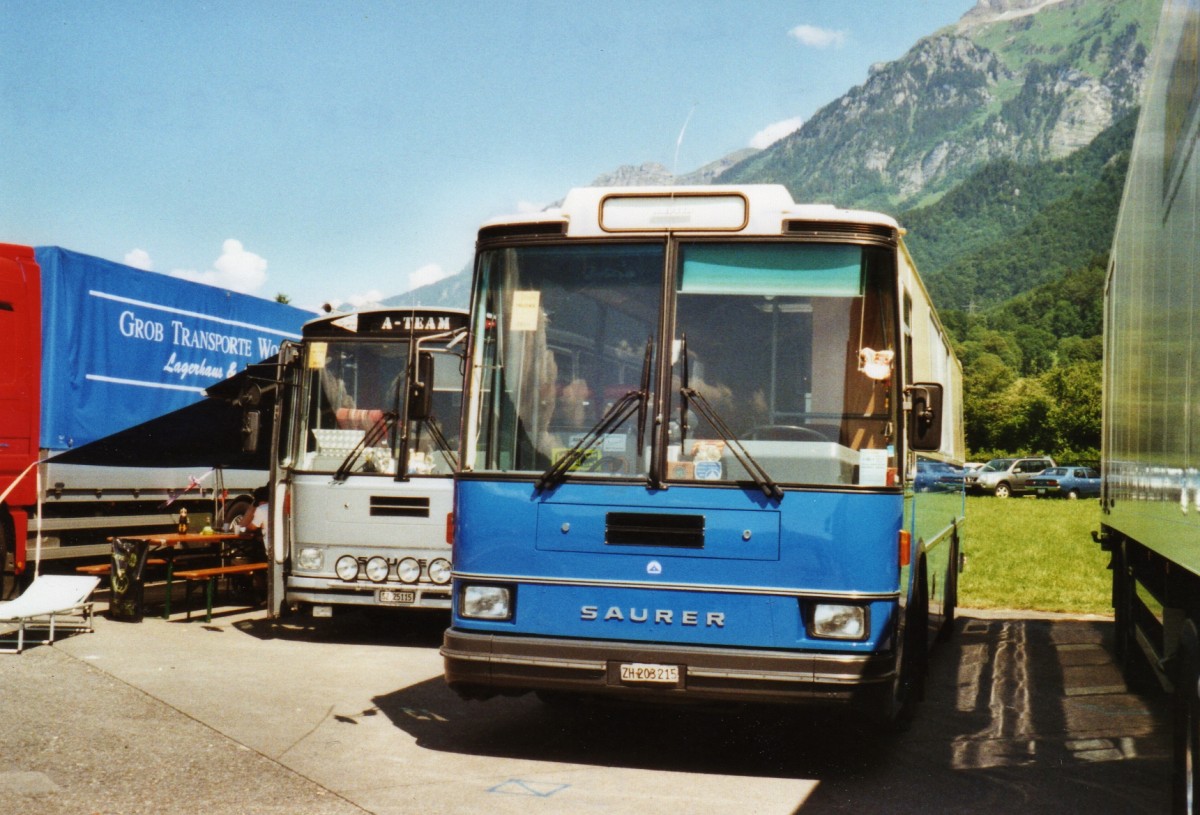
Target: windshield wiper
(613, 418)
(371, 438)
(440, 439)
(690, 397)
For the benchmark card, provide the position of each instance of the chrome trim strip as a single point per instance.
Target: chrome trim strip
(506, 659)
(689, 587)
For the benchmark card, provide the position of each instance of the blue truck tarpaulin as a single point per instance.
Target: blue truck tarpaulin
(121, 346)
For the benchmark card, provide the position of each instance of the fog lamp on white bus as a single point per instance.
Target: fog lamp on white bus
(310, 559)
(377, 569)
(838, 621)
(439, 571)
(485, 602)
(347, 568)
(409, 570)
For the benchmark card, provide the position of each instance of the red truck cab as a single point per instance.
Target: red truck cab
(20, 391)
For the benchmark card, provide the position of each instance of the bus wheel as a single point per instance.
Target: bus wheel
(908, 687)
(1186, 709)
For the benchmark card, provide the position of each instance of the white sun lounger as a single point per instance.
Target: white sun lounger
(52, 602)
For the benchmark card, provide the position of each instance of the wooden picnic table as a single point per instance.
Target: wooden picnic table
(171, 545)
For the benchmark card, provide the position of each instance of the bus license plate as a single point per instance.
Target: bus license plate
(391, 597)
(646, 672)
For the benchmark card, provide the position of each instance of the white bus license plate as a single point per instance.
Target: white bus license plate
(646, 672)
(390, 597)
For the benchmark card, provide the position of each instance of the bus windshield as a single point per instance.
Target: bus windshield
(779, 337)
(593, 308)
(782, 347)
(353, 391)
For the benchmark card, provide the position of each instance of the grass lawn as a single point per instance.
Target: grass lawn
(1026, 553)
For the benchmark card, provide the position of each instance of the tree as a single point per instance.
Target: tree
(1074, 415)
(984, 381)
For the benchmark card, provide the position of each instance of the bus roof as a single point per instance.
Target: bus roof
(755, 209)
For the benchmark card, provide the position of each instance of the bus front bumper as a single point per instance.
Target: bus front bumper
(325, 591)
(478, 666)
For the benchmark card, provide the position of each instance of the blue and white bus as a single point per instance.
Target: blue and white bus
(691, 430)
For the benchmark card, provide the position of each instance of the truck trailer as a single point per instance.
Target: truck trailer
(1150, 499)
(93, 349)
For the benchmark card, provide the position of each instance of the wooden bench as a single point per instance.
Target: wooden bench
(102, 569)
(211, 575)
(173, 559)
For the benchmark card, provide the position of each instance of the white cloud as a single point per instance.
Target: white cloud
(815, 37)
(774, 132)
(367, 299)
(235, 269)
(430, 273)
(139, 259)
(528, 207)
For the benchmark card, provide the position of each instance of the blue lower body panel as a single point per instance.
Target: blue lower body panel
(712, 588)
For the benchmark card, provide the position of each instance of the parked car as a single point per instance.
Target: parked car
(1066, 482)
(937, 476)
(1003, 477)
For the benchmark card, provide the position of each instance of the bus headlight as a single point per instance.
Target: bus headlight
(347, 568)
(838, 621)
(439, 571)
(408, 570)
(377, 569)
(310, 559)
(485, 602)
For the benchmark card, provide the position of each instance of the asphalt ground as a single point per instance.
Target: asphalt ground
(1022, 714)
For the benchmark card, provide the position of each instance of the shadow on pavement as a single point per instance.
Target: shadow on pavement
(1020, 715)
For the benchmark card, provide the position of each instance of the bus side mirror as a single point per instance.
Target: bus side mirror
(250, 425)
(925, 417)
(249, 400)
(420, 388)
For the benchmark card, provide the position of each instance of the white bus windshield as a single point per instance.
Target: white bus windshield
(353, 391)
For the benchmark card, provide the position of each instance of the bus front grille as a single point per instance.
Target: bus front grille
(399, 506)
(654, 529)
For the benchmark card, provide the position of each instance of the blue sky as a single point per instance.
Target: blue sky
(348, 151)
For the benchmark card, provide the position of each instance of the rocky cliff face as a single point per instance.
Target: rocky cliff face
(1026, 79)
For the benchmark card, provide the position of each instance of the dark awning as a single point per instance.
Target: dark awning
(208, 433)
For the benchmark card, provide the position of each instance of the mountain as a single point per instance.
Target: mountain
(449, 292)
(1013, 79)
(1012, 226)
(654, 174)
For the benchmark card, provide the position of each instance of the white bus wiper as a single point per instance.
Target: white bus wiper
(371, 438)
(690, 397)
(613, 418)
